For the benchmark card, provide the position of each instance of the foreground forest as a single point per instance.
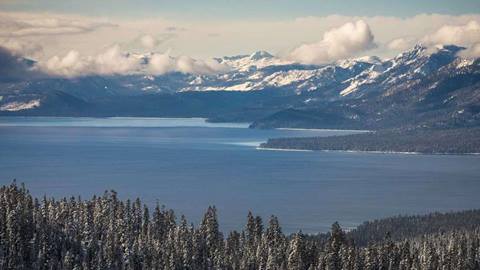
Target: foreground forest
(428, 141)
(108, 233)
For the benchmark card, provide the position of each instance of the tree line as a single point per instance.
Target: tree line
(105, 232)
(405, 227)
(429, 141)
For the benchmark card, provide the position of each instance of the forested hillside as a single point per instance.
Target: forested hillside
(402, 227)
(428, 141)
(108, 233)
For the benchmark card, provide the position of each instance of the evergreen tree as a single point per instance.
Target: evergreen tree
(107, 233)
(296, 253)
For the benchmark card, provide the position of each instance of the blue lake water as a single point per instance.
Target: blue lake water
(187, 165)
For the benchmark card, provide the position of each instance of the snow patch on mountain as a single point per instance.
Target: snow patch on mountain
(284, 78)
(465, 63)
(404, 70)
(256, 60)
(20, 106)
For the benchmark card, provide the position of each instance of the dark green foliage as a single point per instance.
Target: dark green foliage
(401, 227)
(108, 233)
(449, 141)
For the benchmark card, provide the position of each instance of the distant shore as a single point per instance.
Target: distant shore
(412, 142)
(364, 152)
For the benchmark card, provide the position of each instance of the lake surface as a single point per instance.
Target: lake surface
(187, 165)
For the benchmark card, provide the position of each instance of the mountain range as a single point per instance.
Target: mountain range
(428, 87)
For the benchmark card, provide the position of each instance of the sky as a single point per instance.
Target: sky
(75, 35)
(243, 9)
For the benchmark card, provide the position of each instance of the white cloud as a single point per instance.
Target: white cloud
(70, 65)
(148, 41)
(111, 61)
(338, 43)
(32, 24)
(187, 64)
(464, 35)
(472, 51)
(90, 35)
(114, 61)
(401, 44)
(163, 63)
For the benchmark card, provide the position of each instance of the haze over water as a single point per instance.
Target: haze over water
(187, 165)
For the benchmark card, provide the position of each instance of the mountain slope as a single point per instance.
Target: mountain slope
(420, 87)
(416, 89)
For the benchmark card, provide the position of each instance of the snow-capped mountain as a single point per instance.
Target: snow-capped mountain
(366, 90)
(419, 87)
(261, 70)
(256, 60)
(406, 68)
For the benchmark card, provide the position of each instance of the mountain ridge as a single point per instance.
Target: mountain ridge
(432, 86)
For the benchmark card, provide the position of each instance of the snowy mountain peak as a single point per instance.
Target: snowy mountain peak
(420, 51)
(405, 70)
(260, 55)
(257, 60)
(375, 60)
(417, 51)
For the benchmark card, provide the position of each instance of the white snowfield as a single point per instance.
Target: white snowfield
(256, 60)
(262, 70)
(20, 106)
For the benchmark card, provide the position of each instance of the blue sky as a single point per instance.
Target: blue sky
(244, 9)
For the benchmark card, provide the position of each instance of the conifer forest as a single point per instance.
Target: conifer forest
(106, 232)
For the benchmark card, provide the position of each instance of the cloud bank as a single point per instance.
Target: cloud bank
(467, 35)
(164, 63)
(58, 33)
(464, 35)
(471, 52)
(338, 43)
(113, 61)
(28, 24)
(401, 44)
(69, 45)
(148, 41)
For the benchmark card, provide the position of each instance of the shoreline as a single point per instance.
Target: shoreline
(282, 149)
(112, 122)
(366, 152)
(326, 129)
(204, 119)
(147, 118)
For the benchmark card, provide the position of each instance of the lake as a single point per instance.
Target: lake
(187, 165)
